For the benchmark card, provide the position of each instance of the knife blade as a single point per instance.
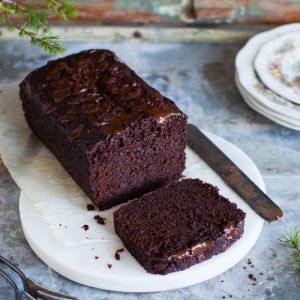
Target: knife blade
(232, 175)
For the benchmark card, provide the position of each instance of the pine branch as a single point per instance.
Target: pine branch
(32, 22)
(48, 42)
(292, 240)
(63, 8)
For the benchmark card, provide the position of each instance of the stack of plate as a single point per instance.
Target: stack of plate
(268, 74)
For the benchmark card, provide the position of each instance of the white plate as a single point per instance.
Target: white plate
(251, 83)
(278, 65)
(78, 263)
(270, 114)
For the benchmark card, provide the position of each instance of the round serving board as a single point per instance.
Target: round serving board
(78, 263)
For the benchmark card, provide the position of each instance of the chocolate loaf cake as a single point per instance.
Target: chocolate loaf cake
(116, 136)
(178, 225)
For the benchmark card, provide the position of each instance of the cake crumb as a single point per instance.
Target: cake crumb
(222, 280)
(90, 207)
(252, 277)
(85, 227)
(244, 268)
(252, 266)
(99, 219)
(253, 283)
(109, 266)
(223, 297)
(261, 273)
(230, 296)
(117, 256)
(97, 257)
(120, 250)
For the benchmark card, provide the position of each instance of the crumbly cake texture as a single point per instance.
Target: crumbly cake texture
(178, 225)
(116, 136)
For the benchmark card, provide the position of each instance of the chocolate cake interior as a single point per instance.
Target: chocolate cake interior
(178, 225)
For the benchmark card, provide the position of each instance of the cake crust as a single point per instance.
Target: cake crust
(179, 225)
(92, 95)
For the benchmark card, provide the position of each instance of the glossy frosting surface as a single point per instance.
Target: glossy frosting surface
(200, 249)
(93, 92)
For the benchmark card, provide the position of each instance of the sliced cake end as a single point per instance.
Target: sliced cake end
(178, 225)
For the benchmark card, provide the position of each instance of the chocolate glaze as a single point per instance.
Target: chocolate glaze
(93, 91)
(201, 249)
(230, 231)
(198, 250)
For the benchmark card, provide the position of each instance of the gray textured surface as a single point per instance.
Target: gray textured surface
(200, 78)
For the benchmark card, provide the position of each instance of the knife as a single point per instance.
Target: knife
(232, 175)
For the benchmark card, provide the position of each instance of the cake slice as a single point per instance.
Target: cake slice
(178, 225)
(116, 136)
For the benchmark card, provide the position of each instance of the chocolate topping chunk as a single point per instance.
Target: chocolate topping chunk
(75, 133)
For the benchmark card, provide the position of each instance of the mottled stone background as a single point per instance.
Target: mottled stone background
(200, 78)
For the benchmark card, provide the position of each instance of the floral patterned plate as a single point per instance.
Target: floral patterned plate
(278, 65)
(251, 83)
(260, 108)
